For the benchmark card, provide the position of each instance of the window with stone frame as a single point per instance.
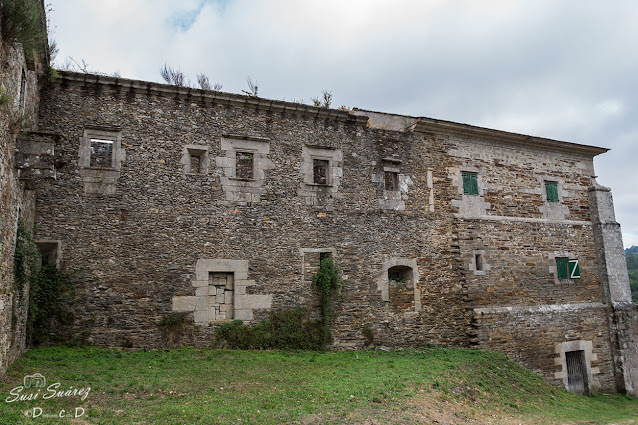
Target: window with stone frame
(196, 164)
(195, 159)
(101, 153)
(567, 268)
(244, 168)
(470, 183)
(551, 190)
(391, 181)
(320, 169)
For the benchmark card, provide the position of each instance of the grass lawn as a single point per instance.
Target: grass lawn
(205, 386)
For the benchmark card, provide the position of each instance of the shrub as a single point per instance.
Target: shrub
(283, 329)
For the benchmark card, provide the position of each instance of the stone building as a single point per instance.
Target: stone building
(220, 206)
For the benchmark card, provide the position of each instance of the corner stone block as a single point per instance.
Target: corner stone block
(244, 314)
(200, 317)
(184, 304)
(201, 292)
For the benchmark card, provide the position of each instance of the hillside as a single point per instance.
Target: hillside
(189, 386)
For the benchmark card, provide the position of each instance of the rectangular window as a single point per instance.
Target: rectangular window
(478, 260)
(101, 153)
(391, 179)
(244, 165)
(567, 268)
(320, 171)
(574, 269)
(561, 267)
(196, 164)
(551, 188)
(470, 183)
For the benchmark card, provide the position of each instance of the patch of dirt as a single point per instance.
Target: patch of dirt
(424, 408)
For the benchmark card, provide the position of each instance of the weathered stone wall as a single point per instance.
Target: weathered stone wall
(422, 262)
(137, 249)
(534, 337)
(16, 203)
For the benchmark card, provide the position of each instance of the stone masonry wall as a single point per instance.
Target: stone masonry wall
(137, 248)
(171, 217)
(533, 337)
(16, 203)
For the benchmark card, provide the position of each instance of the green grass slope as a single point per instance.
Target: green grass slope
(191, 386)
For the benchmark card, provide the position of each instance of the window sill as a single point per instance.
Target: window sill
(320, 184)
(242, 180)
(101, 168)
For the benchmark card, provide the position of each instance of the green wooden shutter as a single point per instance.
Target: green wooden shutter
(574, 269)
(470, 183)
(562, 268)
(551, 188)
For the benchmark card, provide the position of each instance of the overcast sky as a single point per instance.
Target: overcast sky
(562, 69)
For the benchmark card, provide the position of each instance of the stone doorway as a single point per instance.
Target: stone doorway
(220, 295)
(576, 372)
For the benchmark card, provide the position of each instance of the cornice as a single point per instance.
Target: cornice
(429, 125)
(217, 97)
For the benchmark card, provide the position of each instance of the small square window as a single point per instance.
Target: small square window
(320, 171)
(551, 189)
(244, 165)
(196, 164)
(391, 179)
(567, 268)
(101, 153)
(470, 183)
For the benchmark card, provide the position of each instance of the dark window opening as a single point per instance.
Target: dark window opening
(23, 91)
(478, 260)
(325, 255)
(576, 372)
(551, 189)
(320, 171)
(401, 288)
(470, 183)
(196, 164)
(101, 153)
(391, 179)
(244, 165)
(49, 252)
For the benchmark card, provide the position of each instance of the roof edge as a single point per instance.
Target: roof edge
(429, 125)
(217, 97)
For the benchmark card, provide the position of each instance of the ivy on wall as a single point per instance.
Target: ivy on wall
(47, 289)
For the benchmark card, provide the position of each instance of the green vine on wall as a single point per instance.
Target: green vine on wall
(47, 310)
(326, 282)
(47, 287)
